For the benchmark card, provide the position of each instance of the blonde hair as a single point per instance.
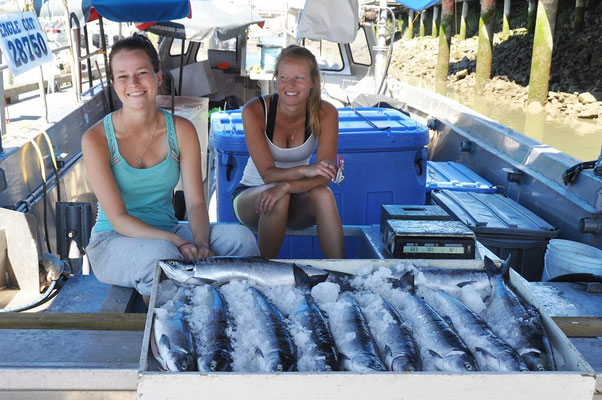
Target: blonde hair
(314, 101)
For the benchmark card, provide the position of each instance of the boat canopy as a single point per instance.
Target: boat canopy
(221, 19)
(418, 5)
(334, 20)
(141, 10)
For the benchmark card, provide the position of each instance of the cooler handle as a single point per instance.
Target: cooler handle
(419, 162)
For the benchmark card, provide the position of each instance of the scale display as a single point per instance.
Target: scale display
(433, 249)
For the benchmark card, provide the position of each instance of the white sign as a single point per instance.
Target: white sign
(23, 43)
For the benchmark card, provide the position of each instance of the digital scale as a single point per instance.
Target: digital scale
(430, 212)
(429, 239)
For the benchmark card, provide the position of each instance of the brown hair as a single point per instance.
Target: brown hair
(314, 101)
(135, 42)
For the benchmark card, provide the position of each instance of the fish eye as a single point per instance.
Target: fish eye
(172, 262)
(468, 366)
(279, 368)
(213, 365)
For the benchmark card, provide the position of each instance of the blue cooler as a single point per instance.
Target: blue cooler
(451, 175)
(385, 163)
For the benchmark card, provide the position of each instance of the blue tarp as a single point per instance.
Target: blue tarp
(418, 5)
(141, 10)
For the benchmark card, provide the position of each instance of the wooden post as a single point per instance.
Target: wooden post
(410, 31)
(463, 20)
(579, 12)
(445, 33)
(485, 46)
(543, 43)
(506, 21)
(435, 30)
(422, 20)
(531, 16)
(402, 25)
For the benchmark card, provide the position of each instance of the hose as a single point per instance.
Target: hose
(51, 292)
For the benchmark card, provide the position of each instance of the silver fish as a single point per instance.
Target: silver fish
(172, 339)
(280, 354)
(357, 349)
(314, 320)
(399, 348)
(224, 269)
(214, 352)
(435, 338)
(515, 322)
(491, 352)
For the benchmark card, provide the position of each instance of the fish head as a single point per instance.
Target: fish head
(276, 361)
(181, 271)
(179, 360)
(537, 361)
(365, 361)
(459, 361)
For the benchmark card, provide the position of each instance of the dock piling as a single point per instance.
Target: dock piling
(543, 43)
(422, 21)
(445, 33)
(579, 13)
(463, 21)
(506, 21)
(410, 31)
(485, 44)
(435, 30)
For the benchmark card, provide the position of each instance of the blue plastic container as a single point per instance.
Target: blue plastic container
(385, 162)
(451, 175)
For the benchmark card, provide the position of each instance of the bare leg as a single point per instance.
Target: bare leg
(270, 227)
(318, 206)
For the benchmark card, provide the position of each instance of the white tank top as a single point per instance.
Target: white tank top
(283, 157)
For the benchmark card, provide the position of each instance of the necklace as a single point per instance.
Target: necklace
(139, 158)
(294, 132)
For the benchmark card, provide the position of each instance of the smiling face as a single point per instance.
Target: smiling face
(134, 78)
(294, 80)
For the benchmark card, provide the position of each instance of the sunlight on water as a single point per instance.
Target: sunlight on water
(579, 138)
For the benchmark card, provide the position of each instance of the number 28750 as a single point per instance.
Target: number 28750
(26, 48)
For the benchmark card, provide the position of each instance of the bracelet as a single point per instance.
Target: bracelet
(183, 244)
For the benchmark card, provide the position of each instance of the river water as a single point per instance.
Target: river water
(577, 137)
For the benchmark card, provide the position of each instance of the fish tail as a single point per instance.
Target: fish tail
(404, 282)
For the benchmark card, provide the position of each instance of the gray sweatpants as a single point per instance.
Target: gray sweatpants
(131, 262)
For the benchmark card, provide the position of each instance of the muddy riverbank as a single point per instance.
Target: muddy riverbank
(575, 76)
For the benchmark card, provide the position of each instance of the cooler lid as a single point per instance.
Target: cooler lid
(489, 213)
(372, 128)
(360, 129)
(455, 176)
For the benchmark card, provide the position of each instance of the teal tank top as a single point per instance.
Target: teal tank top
(147, 193)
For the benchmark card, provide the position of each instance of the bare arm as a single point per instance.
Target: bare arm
(97, 161)
(296, 179)
(190, 170)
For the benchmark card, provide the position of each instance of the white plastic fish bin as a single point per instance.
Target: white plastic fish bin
(573, 379)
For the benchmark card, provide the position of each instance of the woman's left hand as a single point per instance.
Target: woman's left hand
(266, 199)
(190, 251)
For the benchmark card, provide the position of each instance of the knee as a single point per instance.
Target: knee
(321, 195)
(281, 206)
(242, 242)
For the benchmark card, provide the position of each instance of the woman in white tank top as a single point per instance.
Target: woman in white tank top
(279, 188)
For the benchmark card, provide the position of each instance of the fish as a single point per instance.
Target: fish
(280, 354)
(258, 269)
(517, 323)
(173, 343)
(357, 348)
(491, 352)
(214, 352)
(440, 346)
(399, 349)
(312, 318)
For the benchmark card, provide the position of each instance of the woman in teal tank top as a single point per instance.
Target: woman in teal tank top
(134, 158)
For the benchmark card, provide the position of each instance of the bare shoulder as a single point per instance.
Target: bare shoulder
(95, 135)
(328, 110)
(252, 109)
(183, 124)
